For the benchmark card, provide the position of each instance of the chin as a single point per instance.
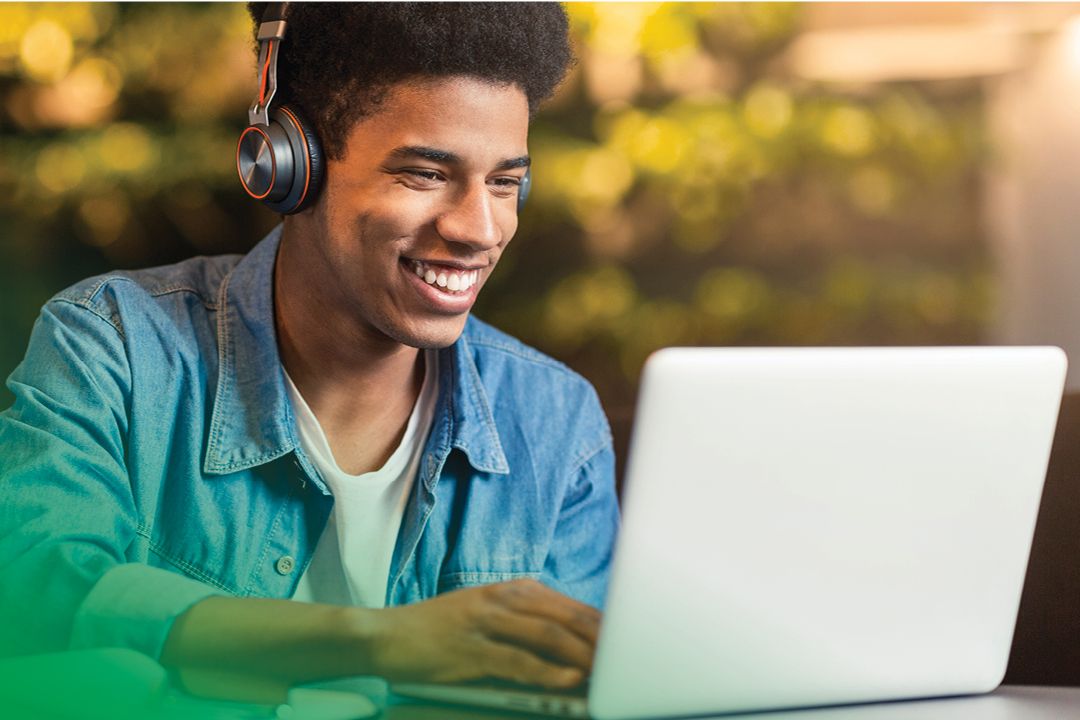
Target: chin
(433, 335)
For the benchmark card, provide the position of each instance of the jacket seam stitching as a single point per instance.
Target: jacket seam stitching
(85, 305)
(474, 389)
(528, 355)
(583, 458)
(473, 576)
(152, 292)
(170, 289)
(189, 568)
(224, 367)
(265, 549)
(93, 292)
(253, 462)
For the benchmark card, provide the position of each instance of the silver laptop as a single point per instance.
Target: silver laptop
(809, 527)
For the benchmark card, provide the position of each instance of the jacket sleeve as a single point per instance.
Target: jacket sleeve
(67, 513)
(583, 545)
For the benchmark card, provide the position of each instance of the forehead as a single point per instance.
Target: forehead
(472, 118)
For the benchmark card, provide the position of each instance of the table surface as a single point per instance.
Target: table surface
(128, 685)
(1006, 703)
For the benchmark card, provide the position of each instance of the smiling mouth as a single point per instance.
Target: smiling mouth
(449, 280)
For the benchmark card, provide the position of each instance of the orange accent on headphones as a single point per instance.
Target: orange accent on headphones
(273, 163)
(265, 72)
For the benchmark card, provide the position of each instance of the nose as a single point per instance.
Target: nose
(473, 217)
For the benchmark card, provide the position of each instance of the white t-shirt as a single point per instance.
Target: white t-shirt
(351, 564)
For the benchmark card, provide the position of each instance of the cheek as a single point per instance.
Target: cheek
(508, 226)
(359, 233)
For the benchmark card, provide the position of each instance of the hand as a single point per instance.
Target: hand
(521, 631)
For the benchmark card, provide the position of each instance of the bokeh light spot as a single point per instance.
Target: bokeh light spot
(587, 302)
(731, 293)
(105, 216)
(937, 298)
(656, 144)
(767, 111)
(46, 51)
(60, 168)
(848, 131)
(126, 148)
(605, 175)
(873, 190)
(667, 32)
(618, 26)
(82, 98)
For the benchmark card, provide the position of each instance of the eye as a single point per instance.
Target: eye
(424, 174)
(419, 178)
(505, 185)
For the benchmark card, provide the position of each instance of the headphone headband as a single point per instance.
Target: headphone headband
(274, 12)
(271, 33)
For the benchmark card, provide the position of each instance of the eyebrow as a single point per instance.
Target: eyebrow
(444, 156)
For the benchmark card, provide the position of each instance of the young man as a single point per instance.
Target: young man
(194, 448)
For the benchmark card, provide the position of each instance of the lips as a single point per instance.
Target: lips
(444, 289)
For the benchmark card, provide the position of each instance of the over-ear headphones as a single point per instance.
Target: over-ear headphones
(278, 157)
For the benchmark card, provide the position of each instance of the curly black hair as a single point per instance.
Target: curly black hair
(338, 59)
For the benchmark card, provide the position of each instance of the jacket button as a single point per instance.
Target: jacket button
(285, 565)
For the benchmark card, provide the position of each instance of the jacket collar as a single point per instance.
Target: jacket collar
(252, 420)
(464, 404)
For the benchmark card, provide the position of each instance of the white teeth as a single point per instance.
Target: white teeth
(452, 281)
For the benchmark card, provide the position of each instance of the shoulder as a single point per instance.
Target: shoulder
(534, 392)
(498, 352)
(114, 295)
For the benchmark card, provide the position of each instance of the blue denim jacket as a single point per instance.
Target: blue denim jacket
(151, 459)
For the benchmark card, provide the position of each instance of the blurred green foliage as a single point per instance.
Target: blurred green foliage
(689, 189)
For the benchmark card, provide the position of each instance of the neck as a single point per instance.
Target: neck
(342, 366)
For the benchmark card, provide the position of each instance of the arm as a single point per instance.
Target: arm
(66, 508)
(255, 649)
(583, 545)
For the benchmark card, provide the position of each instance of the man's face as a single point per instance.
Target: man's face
(415, 216)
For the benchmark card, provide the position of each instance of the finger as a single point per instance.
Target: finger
(532, 596)
(541, 636)
(506, 662)
(535, 598)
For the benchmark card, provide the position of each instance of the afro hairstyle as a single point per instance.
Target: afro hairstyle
(338, 59)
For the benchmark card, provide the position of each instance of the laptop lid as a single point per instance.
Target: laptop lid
(819, 526)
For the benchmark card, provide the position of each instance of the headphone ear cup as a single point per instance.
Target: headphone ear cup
(316, 165)
(523, 189)
(308, 166)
